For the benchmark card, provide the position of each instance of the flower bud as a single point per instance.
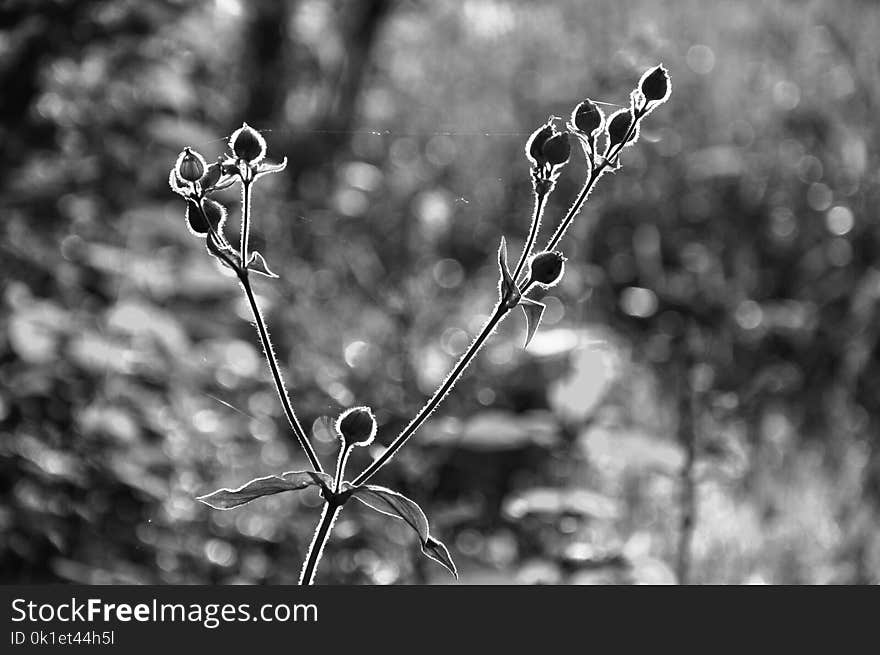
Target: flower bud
(546, 267)
(356, 426)
(535, 144)
(587, 117)
(618, 126)
(248, 144)
(557, 149)
(190, 165)
(655, 84)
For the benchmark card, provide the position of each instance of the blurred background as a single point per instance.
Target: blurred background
(702, 403)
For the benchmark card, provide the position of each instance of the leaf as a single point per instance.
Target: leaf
(271, 484)
(221, 250)
(534, 311)
(394, 504)
(507, 286)
(265, 168)
(258, 264)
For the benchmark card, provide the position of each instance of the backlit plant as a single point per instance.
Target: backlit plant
(548, 150)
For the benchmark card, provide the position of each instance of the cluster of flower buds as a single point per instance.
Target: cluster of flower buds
(621, 129)
(548, 149)
(194, 180)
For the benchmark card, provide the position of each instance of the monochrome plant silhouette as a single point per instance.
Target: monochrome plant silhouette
(548, 150)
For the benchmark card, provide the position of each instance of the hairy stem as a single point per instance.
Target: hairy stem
(438, 396)
(276, 373)
(540, 199)
(322, 534)
(344, 452)
(595, 174)
(245, 220)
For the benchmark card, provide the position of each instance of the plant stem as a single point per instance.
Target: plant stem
(592, 178)
(316, 549)
(344, 452)
(245, 220)
(540, 199)
(500, 311)
(431, 405)
(276, 373)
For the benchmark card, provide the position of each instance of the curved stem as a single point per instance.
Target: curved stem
(540, 199)
(316, 549)
(431, 405)
(276, 373)
(344, 452)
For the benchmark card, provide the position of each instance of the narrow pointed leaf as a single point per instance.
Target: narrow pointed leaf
(267, 486)
(437, 551)
(225, 182)
(258, 265)
(399, 506)
(533, 311)
(507, 286)
(266, 167)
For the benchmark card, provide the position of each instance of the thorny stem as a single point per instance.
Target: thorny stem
(322, 533)
(540, 199)
(596, 171)
(276, 373)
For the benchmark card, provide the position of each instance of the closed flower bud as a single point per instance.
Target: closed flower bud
(535, 144)
(655, 84)
(190, 166)
(587, 117)
(356, 426)
(248, 144)
(618, 126)
(546, 267)
(557, 149)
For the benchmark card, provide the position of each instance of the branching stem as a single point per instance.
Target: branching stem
(597, 169)
(497, 316)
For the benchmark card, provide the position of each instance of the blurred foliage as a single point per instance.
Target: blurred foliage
(721, 293)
